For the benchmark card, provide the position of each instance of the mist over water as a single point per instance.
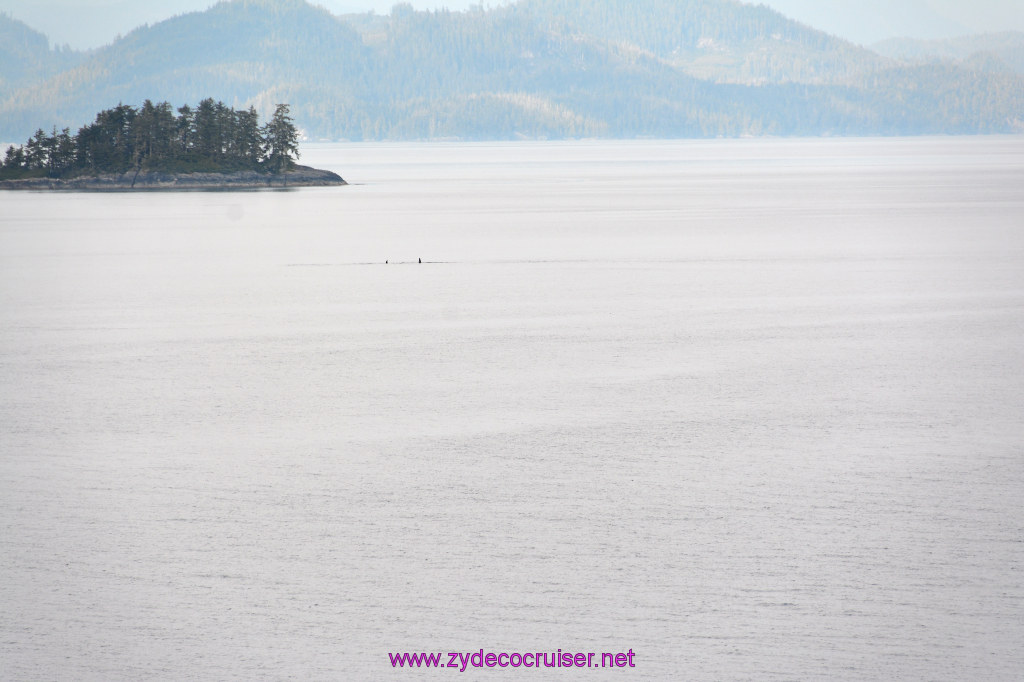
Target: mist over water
(748, 408)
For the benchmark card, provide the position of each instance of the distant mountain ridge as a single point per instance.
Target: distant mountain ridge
(534, 69)
(26, 56)
(721, 40)
(995, 51)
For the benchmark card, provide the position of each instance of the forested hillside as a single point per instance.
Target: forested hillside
(993, 52)
(244, 52)
(26, 56)
(536, 68)
(722, 40)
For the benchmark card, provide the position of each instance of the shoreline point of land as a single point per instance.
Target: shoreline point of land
(298, 176)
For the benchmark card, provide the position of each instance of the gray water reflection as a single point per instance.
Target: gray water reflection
(749, 408)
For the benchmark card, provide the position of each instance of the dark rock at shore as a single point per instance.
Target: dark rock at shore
(299, 176)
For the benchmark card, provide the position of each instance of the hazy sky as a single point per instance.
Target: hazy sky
(90, 23)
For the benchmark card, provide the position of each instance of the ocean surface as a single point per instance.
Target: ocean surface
(752, 409)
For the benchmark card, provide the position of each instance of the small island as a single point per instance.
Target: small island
(209, 147)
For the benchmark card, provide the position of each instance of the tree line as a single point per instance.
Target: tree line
(212, 137)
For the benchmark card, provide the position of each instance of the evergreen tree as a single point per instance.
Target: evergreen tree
(36, 151)
(207, 143)
(248, 141)
(280, 141)
(153, 132)
(15, 157)
(14, 163)
(62, 155)
(185, 130)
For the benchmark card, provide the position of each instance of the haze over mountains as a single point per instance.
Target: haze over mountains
(535, 68)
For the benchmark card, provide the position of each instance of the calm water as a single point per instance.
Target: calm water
(749, 408)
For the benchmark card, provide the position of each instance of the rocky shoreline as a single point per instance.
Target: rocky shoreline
(299, 176)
